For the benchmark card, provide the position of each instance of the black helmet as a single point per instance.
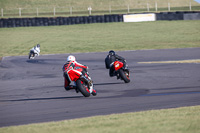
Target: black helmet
(38, 45)
(111, 52)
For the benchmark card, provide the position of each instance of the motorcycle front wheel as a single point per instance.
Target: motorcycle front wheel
(31, 54)
(124, 75)
(83, 88)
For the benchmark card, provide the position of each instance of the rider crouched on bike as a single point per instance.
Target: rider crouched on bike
(72, 65)
(109, 62)
(35, 50)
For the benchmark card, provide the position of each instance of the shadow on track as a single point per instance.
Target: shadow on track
(178, 88)
(108, 83)
(172, 93)
(42, 61)
(38, 99)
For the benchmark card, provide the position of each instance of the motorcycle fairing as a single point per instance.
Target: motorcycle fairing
(74, 74)
(118, 65)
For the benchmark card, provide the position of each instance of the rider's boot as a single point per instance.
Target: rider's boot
(77, 91)
(94, 93)
(118, 77)
(70, 87)
(67, 88)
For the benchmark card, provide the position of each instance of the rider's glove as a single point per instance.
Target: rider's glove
(87, 67)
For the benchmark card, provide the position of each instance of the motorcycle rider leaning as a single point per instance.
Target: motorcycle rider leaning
(110, 59)
(35, 50)
(71, 64)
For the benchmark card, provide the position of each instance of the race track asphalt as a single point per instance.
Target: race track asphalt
(31, 91)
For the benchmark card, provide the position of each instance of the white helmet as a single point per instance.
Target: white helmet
(71, 58)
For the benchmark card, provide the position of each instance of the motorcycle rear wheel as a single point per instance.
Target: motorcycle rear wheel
(83, 88)
(124, 76)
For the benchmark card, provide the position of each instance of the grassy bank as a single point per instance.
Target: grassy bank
(98, 4)
(179, 120)
(46, 8)
(100, 37)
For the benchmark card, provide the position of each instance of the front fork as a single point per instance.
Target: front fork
(89, 81)
(128, 73)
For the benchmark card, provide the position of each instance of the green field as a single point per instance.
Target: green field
(179, 120)
(100, 37)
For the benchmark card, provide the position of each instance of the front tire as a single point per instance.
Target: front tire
(31, 55)
(124, 76)
(83, 88)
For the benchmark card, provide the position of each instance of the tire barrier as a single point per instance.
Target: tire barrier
(53, 21)
(178, 15)
(191, 16)
(169, 16)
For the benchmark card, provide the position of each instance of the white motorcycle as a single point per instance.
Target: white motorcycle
(35, 51)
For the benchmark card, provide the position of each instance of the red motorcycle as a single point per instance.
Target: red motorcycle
(121, 71)
(82, 82)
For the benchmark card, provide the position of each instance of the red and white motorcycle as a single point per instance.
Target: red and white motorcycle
(121, 71)
(82, 82)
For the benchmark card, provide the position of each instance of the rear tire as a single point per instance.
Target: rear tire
(83, 88)
(124, 76)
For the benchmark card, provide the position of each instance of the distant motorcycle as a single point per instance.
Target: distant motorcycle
(83, 82)
(35, 51)
(122, 71)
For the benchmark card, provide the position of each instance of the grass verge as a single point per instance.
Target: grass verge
(177, 120)
(100, 37)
